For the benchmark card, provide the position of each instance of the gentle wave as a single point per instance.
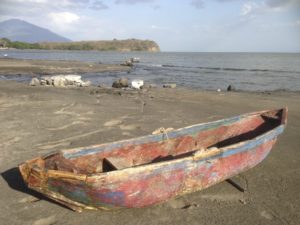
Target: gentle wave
(230, 69)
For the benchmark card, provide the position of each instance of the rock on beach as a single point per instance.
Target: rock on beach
(169, 85)
(34, 82)
(64, 80)
(121, 83)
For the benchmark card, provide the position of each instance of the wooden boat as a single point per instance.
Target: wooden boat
(151, 169)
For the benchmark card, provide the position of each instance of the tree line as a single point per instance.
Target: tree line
(113, 45)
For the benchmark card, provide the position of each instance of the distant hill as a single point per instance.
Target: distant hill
(19, 30)
(20, 34)
(114, 45)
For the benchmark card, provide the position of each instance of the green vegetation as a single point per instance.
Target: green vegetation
(114, 45)
(6, 43)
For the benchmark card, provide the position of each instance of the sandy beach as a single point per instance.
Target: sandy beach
(39, 120)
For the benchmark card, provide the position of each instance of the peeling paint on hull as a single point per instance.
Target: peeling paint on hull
(149, 182)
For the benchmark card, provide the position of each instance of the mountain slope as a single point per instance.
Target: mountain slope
(19, 30)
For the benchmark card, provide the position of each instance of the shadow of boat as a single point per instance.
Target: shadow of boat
(15, 181)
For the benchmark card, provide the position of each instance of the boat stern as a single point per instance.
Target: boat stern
(32, 172)
(37, 178)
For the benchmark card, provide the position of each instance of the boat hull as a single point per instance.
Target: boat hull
(149, 184)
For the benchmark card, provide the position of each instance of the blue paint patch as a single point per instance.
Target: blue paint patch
(116, 198)
(76, 193)
(214, 175)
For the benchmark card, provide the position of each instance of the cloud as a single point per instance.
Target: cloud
(161, 28)
(133, 2)
(35, 7)
(248, 8)
(98, 5)
(198, 4)
(63, 21)
(63, 17)
(253, 9)
(282, 3)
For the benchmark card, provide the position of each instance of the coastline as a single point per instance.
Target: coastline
(25, 67)
(38, 120)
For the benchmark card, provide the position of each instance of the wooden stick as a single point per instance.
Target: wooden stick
(236, 185)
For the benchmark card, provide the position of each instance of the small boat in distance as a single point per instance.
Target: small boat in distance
(154, 168)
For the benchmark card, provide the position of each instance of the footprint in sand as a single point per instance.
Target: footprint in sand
(29, 199)
(46, 221)
(222, 198)
(266, 215)
(126, 133)
(66, 126)
(129, 127)
(177, 203)
(112, 123)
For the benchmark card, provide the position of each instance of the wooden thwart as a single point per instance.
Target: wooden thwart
(117, 163)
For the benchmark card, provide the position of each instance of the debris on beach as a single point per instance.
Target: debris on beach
(137, 84)
(121, 83)
(150, 86)
(127, 63)
(130, 62)
(231, 88)
(60, 81)
(172, 85)
(34, 82)
(135, 60)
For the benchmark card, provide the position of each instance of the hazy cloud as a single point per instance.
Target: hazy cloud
(63, 21)
(63, 17)
(226, 0)
(278, 5)
(253, 9)
(98, 5)
(132, 2)
(198, 4)
(25, 7)
(282, 3)
(248, 8)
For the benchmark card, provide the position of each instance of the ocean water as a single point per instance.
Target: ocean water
(207, 71)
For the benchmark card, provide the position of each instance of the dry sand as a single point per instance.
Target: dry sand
(38, 120)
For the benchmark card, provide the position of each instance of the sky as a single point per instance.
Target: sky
(178, 25)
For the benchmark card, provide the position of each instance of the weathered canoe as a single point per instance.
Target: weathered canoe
(151, 169)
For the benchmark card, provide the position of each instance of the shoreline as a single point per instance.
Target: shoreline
(190, 73)
(30, 76)
(31, 67)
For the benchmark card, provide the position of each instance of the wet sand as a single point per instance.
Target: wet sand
(38, 120)
(9, 66)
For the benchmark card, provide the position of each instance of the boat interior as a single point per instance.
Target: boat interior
(131, 155)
